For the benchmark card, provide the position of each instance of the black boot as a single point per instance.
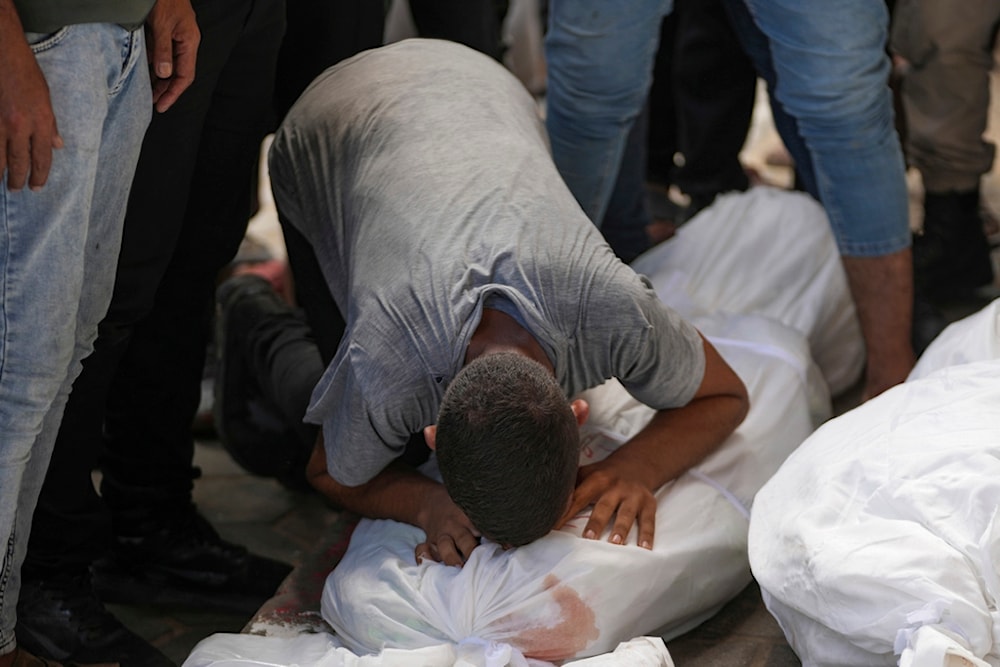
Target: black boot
(951, 258)
(177, 558)
(60, 618)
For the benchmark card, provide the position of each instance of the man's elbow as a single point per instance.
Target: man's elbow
(319, 478)
(740, 403)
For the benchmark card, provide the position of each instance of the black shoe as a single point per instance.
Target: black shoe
(951, 257)
(61, 618)
(248, 426)
(180, 560)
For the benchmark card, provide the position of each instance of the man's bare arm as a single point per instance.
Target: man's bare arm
(28, 132)
(403, 494)
(621, 487)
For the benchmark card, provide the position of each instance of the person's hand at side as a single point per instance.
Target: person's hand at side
(172, 38)
(28, 131)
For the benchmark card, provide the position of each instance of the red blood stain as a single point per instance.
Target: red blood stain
(574, 629)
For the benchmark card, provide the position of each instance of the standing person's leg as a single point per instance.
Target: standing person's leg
(662, 142)
(945, 91)
(60, 616)
(599, 57)
(757, 47)
(148, 471)
(321, 33)
(267, 364)
(74, 526)
(627, 218)
(832, 76)
(59, 246)
(714, 85)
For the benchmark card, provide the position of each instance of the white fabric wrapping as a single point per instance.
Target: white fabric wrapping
(324, 650)
(769, 252)
(563, 597)
(769, 312)
(878, 541)
(974, 338)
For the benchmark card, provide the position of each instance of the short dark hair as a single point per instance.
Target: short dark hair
(508, 447)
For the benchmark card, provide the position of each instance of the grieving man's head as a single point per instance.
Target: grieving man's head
(508, 447)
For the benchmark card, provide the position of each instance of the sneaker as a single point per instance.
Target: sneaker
(180, 560)
(249, 427)
(61, 618)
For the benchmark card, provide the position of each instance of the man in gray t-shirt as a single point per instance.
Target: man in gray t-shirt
(419, 175)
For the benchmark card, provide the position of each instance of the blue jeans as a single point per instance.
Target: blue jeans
(828, 73)
(58, 250)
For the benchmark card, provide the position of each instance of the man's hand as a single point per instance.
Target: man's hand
(615, 489)
(622, 485)
(172, 38)
(401, 493)
(451, 537)
(28, 131)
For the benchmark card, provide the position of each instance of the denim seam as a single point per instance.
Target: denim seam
(130, 58)
(8, 560)
(51, 41)
(5, 230)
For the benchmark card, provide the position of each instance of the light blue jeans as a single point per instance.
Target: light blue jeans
(58, 252)
(827, 71)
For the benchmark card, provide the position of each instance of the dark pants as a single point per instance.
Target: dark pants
(187, 213)
(701, 101)
(700, 105)
(321, 33)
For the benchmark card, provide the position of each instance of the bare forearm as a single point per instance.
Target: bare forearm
(398, 492)
(403, 494)
(677, 440)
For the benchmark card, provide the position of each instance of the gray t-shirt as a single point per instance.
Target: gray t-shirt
(420, 174)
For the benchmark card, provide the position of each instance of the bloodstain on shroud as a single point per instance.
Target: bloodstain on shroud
(575, 628)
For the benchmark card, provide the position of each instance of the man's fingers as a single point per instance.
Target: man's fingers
(624, 518)
(445, 551)
(466, 543)
(166, 94)
(18, 162)
(600, 516)
(422, 553)
(162, 55)
(577, 503)
(647, 526)
(41, 160)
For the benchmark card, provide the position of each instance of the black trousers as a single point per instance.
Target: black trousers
(288, 352)
(699, 106)
(131, 409)
(321, 33)
(701, 101)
